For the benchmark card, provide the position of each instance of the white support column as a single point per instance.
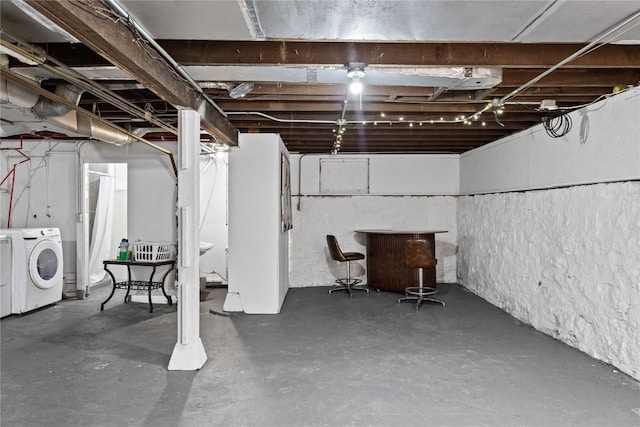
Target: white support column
(188, 354)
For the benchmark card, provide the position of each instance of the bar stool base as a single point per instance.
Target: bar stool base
(349, 285)
(420, 295)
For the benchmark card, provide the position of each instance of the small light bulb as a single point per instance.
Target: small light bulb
(356, 86)
(382, 115)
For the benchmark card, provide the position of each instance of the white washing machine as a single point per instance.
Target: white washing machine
(36, 268)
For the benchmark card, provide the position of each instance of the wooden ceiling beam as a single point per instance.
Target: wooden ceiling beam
(573, 78)
(389, 142)
(380, 141)
(506, 55)
(417, 130)
(416, 112)
(476, 133)
(305, 106)
(392, 111)
(121, 46)
(311, 90)
(433, 54)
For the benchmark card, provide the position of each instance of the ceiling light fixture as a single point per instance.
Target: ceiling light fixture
(355, 73)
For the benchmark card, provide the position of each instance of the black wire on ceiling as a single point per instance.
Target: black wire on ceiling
(557, 124)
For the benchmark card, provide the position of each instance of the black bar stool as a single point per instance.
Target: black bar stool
(347, 283)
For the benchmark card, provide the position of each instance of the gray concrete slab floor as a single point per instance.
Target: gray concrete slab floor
(325, 360)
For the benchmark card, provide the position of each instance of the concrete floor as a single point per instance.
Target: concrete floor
(326, 360)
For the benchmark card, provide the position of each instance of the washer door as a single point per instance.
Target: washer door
(45, 264)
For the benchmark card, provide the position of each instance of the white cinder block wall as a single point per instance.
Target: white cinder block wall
(564, 260)
(368, 192)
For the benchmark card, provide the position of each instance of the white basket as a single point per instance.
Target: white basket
(153, 251)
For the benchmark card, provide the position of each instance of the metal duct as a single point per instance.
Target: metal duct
(12, 93)
(46, 108)
(57, 114)
(84, 125)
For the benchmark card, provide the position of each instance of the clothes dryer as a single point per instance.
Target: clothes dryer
(37, 278)
(6, 258)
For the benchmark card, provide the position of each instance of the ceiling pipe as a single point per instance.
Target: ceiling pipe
(84, 122)
(279, 120)
(39, 57)
(115, 5)
(13, 93)
(63, 116)
(606, 33)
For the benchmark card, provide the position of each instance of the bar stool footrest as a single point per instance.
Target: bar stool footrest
(419, 300)
(415, 290)
(349, 285)
(348, 282)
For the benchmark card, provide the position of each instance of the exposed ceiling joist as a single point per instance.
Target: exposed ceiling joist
(299, 80)
(121, 46)
(323, 53)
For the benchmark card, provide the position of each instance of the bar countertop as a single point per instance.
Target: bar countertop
(401, 231)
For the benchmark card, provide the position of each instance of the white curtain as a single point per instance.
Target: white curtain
(100, 246)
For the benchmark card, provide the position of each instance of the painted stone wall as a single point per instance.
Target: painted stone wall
(310, 262)
(566, 261)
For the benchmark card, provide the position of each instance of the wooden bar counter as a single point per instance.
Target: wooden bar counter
(385, 259)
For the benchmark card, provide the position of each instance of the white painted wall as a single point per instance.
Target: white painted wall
(151, 190)
(608, 151)
(49, 179)
(428, 185)
(258, 249)
(406, 175)
(564, 260)
(54, 175)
